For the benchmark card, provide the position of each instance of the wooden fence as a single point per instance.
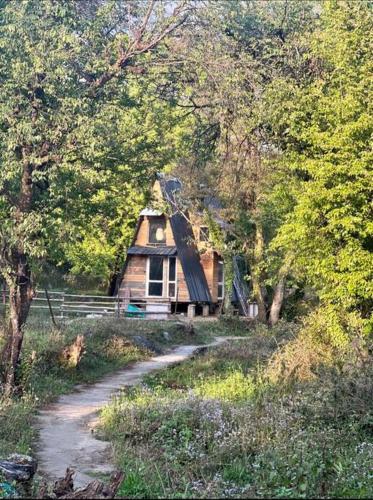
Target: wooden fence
(62, 304)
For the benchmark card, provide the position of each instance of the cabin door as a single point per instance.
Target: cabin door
(155, 276)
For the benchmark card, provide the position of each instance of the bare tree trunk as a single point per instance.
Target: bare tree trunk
(259, 297)
(18, 279)
(228, 285)
(258, 289)
(277, 302)
(279, 294)
(113, 283)
(20, 297)
(116, 275)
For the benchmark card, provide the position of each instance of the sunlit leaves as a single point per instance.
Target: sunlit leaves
(329, 139)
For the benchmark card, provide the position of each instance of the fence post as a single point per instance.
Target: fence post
(50, 307)
(118, 305)
(176, 300)
(62, 303)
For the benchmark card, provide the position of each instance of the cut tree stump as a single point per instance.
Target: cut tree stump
(64, 487)
(72, 354)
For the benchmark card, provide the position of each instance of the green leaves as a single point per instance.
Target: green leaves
(89, 131)
(331, 127)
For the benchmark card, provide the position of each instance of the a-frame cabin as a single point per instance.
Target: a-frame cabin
(171, 265)
(171, 260)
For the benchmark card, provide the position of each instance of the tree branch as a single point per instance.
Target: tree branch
(136, 48)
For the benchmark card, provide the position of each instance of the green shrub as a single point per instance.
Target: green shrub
(216, 426)
(234, 386)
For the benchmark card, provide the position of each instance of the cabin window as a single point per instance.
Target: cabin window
(157, 230)
(155, 276)
(220, 279)
(204, 233)
(172, 277)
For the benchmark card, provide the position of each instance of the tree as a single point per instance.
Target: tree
(231, 58)
(144, 137)
(64, 69)
(325, 130)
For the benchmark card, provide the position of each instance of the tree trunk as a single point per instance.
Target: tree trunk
(259, 297)
(117, 272)
(18, 280)
(113, 283)
(258, 289)
(277, 302)
(228, 284)
(20, 297)
(279, 293)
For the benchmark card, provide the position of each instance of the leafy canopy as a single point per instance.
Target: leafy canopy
(326, 127)
(79, 136)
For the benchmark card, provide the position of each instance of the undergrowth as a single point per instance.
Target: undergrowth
(42, 374)
(229, 424)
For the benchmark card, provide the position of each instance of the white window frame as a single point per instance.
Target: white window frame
(221, 297)
(154, 281)
(168, 276)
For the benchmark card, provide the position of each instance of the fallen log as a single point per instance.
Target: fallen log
(20, 468)
(64, 485)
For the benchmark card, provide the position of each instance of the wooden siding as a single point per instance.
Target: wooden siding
(183, 293)
(142, 238)
(209, 261)
(134, 278)
(197, 221)
(169, 235)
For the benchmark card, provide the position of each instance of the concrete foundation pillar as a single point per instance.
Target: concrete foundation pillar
(191, 311)
(205, 310)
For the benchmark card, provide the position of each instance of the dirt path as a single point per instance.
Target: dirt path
(65, 436)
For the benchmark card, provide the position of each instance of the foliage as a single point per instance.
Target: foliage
(108, 346)
(144, 139)
(284, 130)
(91, 149)
(286, 438)
(69, 97)
(324, 128)
(247, 47)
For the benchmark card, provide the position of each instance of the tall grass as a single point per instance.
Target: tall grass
(223, 425)
(43, 374)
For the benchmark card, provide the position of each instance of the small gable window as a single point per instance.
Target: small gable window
(157, 230)
(204, 233)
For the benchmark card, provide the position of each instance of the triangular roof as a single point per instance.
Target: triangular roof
(185, 243)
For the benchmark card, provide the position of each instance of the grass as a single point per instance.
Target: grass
(226, 424)
(43, 376)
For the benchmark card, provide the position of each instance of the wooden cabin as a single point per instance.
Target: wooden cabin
(171, 266)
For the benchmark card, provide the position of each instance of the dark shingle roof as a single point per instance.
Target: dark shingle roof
(186, 248)
(161, 250)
